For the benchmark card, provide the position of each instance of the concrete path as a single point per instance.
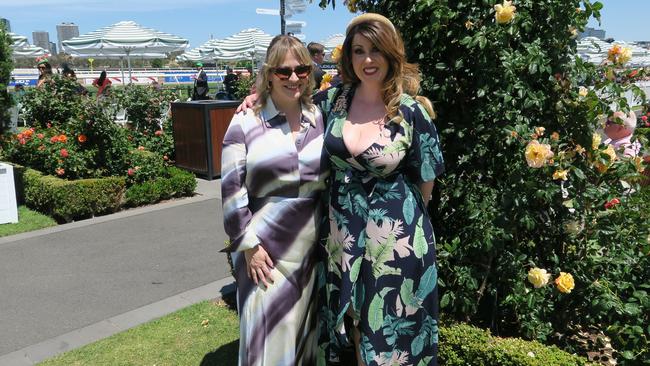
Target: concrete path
(73, 284)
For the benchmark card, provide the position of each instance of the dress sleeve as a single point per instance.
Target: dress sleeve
(236, 213)
(425, 160)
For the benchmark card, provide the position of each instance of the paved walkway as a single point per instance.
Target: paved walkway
(76, 283)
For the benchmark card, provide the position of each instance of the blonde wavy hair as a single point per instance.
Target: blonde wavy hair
(402, 76)
(279, 48)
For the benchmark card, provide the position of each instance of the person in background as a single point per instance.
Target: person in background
(70, 74)
(44, 72)
(200, 91)
(230, 82)
(272, 180)
(103, 85)
(317, 52)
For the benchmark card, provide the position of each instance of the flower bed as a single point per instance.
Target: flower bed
(81, 163)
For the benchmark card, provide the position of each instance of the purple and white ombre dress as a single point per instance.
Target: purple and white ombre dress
(271, 186)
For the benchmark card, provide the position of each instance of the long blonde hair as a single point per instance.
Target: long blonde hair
(402, 76)
(279, 48)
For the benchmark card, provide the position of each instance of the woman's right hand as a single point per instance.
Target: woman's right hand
(248, 102)
(258, 263)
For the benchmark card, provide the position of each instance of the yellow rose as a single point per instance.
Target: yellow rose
(560, 174)
(583, 91)
(537, 154)
(612, 154)
(595, 141)
(336, 53)
(469, 25)
(539, 131)
(327, 78)
(625, 56)
(504, 12)
(538, 277)
(638, 164)
(565, 283)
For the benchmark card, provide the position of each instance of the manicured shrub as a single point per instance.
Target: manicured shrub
(173, 182)
(72, 200)
(462, 345)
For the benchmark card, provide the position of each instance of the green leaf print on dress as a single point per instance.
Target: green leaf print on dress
(420, 245)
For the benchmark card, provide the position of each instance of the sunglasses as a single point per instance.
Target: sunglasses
(284, 73)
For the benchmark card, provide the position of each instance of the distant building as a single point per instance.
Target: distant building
(5, 24)
(592, 32)
(53, 48)
(65, 31)
(41, 39)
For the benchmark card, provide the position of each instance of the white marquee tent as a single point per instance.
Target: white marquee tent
(332, 41)
(20, 48)
(125, 39)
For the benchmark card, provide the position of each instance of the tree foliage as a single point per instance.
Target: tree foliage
(6, 65)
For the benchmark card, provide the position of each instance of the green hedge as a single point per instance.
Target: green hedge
(177, 183)
(68, 200)
(462, 345)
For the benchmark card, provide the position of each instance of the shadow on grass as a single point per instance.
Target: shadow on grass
(225, 355)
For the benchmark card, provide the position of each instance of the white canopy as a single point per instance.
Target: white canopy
(124, 40)
(332, 41)
(20, 48)
(247, 44)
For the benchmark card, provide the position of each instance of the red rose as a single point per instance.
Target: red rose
(633, 73)
(22, 141)
(613, 202)
(644, 118)
(159, 132)
(130, 172)
(82, 138)
(40, 135)
(64, 153)
(59, 171)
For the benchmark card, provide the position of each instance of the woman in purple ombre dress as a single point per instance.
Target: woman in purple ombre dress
(272, 180)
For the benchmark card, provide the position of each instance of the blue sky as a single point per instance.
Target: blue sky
(197, 20)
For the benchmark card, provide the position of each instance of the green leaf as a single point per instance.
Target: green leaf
(406, 293)
(427, 283)
(420, 246)
(376, 313)
(408, 210)
(354, 270)
(418, 344)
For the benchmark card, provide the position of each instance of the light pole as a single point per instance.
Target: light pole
(283, 24)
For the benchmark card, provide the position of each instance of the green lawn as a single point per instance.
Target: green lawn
(203, 334)
(28, 220)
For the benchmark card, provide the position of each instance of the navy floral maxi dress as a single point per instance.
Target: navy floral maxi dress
(378, 246)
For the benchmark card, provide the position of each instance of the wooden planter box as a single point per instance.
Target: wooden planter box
(199, 128)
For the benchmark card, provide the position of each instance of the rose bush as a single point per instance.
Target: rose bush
(516, 196)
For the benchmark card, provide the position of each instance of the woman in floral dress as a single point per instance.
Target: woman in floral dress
(378, 282)
(271, 186)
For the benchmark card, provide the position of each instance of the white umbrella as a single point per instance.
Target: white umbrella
(21, 48)
(332, 41)
(124, 39)
(247, 44)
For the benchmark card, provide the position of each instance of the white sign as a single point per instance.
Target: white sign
(8, 207)
(267, 11)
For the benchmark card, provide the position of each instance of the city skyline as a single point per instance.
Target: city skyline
(200, 20)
